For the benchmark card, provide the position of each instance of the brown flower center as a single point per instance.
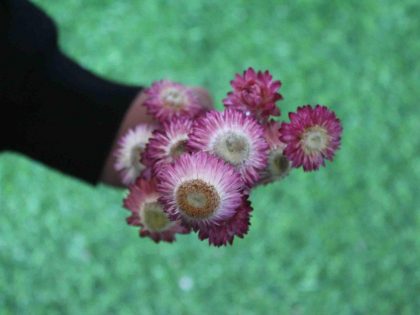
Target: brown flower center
(315, 139)
(232, 147)
(178, 148)
(278, 164)
(154, 218)
(197, 199)
(136, 153)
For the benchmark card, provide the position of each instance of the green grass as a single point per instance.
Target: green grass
(344, 240)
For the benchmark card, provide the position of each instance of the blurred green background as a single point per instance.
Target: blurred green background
(344, 240)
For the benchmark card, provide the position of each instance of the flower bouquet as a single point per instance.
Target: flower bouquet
(194, 169)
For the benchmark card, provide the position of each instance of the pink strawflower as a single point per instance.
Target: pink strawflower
(200, 189)
(255, 93)
(312, 136)
(167, 99)
(234, 137)
(237, 225)
(147, 213)
(128, 154)
(278, 165)
(167, 143)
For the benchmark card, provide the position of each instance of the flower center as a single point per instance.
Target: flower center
(278, 164)
(315, 139)
(136, 153)
(197, 199)
(232, 147)
(173, 98)
(253, 89)
(178, 148)
(154, 218)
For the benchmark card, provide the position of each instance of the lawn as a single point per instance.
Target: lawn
(344, 240)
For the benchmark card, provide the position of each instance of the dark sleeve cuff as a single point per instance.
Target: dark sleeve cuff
(73, 118)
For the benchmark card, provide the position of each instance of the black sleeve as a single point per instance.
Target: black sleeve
(52, 109)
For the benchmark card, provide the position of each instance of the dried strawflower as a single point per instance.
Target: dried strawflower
(147, 213)
(236, 138)
(312, 136)
(255, 93)
(128, 154)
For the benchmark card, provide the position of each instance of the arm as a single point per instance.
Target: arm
(59, 113)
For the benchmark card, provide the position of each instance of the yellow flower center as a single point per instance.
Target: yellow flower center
(278, 164)
(173, 98)
(154, 218)
(315, 140)
(177, 149)
(136, 153)
(232, 147)
(197, 199)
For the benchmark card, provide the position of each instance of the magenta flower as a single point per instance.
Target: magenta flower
(255, 93)
(237, 225)
(168, 143)
(166, 99)
(147, 213)
(312, 136)
(200, 189)
(234, 137)
(128, 154)
(278, 165)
